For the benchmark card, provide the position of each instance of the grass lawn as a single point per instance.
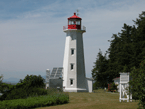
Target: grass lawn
(98, 100)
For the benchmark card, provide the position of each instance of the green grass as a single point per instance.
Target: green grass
(98, 100)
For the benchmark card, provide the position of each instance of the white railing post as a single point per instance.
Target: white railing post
(84, 28)
(120, 93)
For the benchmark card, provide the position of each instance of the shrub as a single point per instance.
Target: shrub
(109, 87)
(112, 86)
(17, 93)
(33, 102)
(37, 91)
(30, 85)
(13, 94)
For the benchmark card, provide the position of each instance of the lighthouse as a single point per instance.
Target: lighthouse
(74, 77)
(71, 77)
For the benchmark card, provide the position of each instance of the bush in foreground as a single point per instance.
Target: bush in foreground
(18, 93)
(29, 86)
(33, 102)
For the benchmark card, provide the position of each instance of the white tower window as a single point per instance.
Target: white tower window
(72, 66)
(72, 51)
(71, 81)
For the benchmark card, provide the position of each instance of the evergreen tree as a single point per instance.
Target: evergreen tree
(120, 51)
(125, 69)
(99, 71)
(137, 84)
(112, 70)
(124, 50)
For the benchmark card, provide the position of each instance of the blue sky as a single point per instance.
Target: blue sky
(32, 38)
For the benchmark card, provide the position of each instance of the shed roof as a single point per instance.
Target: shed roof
(116, 78)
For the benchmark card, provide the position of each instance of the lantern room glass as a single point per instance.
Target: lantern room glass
(74, 22)
(70, 22)
(78, 22)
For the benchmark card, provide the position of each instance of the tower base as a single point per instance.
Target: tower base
(75, 90)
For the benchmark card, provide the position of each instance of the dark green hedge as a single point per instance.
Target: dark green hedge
(18, 93)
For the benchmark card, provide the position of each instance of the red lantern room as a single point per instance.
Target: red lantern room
(74, 22)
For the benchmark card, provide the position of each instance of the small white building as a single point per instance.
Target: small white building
(89, 84)
(117, 82)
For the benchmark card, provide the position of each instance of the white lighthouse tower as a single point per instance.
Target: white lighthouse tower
(74, 77)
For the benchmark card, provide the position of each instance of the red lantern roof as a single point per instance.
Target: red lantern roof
(74, 17)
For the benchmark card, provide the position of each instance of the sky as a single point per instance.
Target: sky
(32, 38)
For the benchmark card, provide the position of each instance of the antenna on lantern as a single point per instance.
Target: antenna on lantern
(77, 12)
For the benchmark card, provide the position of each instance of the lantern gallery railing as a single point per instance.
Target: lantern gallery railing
(65, 27)
(82, 28)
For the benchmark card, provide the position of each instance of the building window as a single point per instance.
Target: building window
(72, 66)
(72, 51)
(71, 81)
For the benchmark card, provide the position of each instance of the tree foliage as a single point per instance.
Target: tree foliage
(33, 81)
(3, 86)
(28, 82)
(99, 72)
(137, 84)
